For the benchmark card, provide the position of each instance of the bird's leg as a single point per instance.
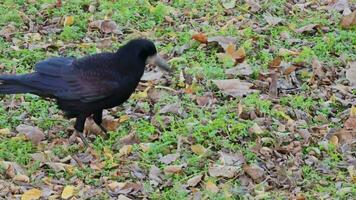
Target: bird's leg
(79, 127)
(98, 119)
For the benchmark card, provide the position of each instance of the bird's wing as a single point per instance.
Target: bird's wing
(82, 80)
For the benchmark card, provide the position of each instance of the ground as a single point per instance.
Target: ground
(259, 104)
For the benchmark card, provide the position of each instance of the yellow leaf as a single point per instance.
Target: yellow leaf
(124, 118)
(125, 150)
(31, 194)
(198, 149)
(108, 153)
(353, 111)
(4, 132)
(68, 192)
(210, 186)
(334, 140)
(68, 21)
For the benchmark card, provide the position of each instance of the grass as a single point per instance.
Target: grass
(216, 129)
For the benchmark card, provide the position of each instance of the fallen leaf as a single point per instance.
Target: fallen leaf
(106, 26)
(5, 132)
(32, 133)
(289, 70)
(353, 111)
(231, 159)
(131, 138)
(286, 52)
(68, 21)
(155, 176)
(21, 178)
(275, 63)
(192, 182)
(174, 108)
(308, 28)
(242, 69)
(172, 169)
(198, 149)
(68, 192)
(255, 172)
(350, 123)
(169, 158)
(234, 87)
(236, 55)
(334, 140)
(272, 21)
(152, 75)
(228, 4)
(223, 41)
(349, 20)
(254, 5)
(200, 37)
(351, 74)
(223, 171)
(273, 87)
(122, 197)
(210, 186)
(352, 172)
(8, 30)
(31, 194)
(114, 185)
(341, 5)
(125, 150)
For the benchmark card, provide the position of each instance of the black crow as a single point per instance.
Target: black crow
(85, 86)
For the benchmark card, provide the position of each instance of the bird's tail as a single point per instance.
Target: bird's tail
(13, 84)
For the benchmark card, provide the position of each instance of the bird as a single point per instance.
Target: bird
(84, 87)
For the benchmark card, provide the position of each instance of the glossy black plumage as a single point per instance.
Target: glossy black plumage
(88, 85)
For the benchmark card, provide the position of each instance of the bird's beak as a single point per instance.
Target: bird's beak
(158, 61)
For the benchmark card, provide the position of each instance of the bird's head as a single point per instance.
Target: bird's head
(148, 53)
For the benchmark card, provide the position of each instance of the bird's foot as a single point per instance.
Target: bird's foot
(86, 144)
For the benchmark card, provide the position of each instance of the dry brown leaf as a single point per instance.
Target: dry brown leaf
(198, 149)
(223, 41)
(272, 21)
(8, 30)
(223, 171)
(255, 172)
(32, 133)
(192, 182)
(234, 87)
(68, 192)
(242, 69)
(106, 26)
(155, 175)
(237, 55)
(125, 150)
(200, 37)
(256, 129)
(254, 5)
(351, 74)
(334, 140)
(231, 159)
(289, 70)
(21, 178)
(114, 185)
(286, 52)
(31, 194)
(169, 158)
(308, 28)
(275, 63)
(350, 123)
(172, 169)
(210, 186)
(349, 20)
(130, 139)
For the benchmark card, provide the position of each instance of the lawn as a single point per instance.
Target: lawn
(260, 104)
